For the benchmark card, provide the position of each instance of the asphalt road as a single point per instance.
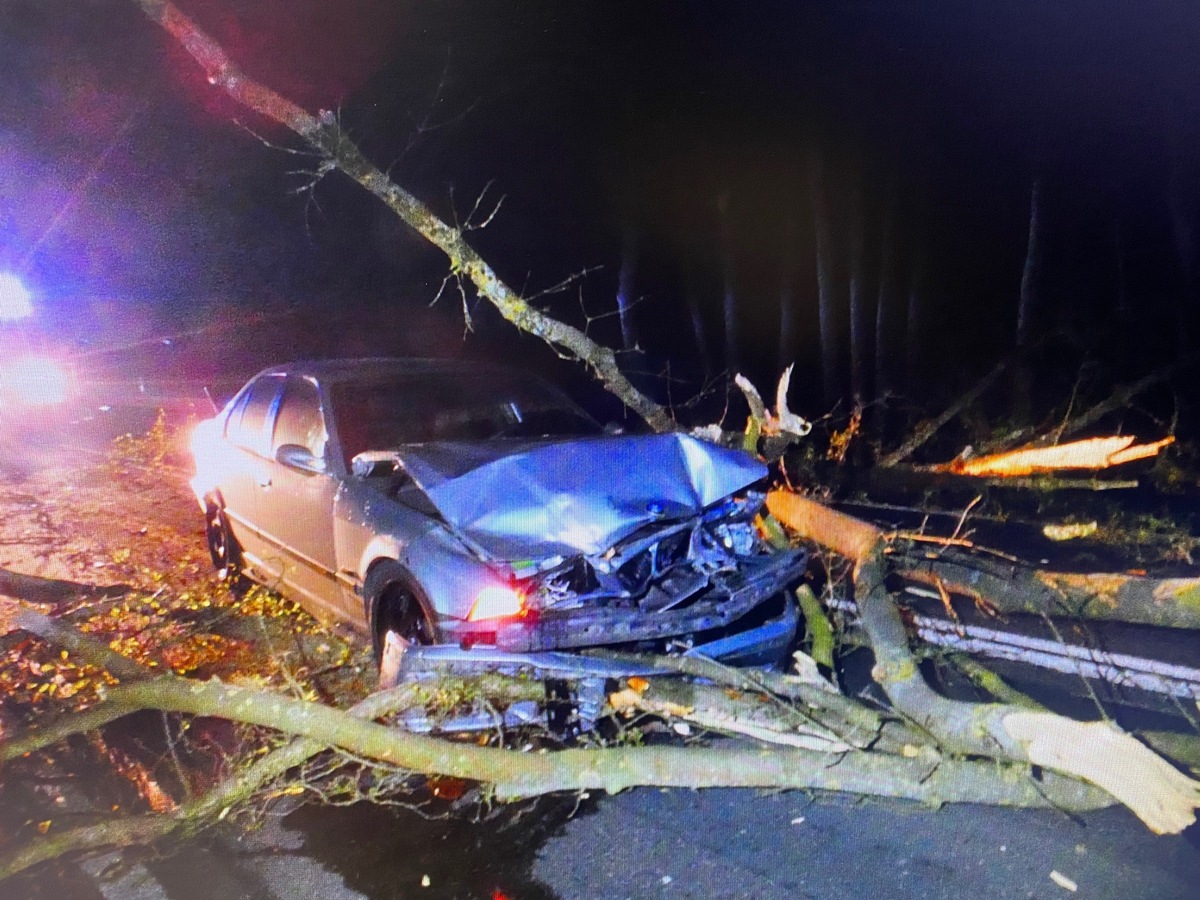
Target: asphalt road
(649, 843)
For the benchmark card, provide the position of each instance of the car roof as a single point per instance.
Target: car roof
(333, 370)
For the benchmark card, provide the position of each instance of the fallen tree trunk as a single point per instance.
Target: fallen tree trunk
(1016, 588)
(913, 772)
(1090, 454)
(1160, 795)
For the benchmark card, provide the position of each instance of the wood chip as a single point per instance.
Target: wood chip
(1063, 881)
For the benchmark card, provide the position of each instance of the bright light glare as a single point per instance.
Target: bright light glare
(33, 381)
(211, 459)
(15, 302)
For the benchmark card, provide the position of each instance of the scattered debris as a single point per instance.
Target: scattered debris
(1070, 531)
(1063, 881)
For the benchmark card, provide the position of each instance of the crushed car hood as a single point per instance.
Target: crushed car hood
(529, 500)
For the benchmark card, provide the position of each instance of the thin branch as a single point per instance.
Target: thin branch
(927, 430)
(562, 286)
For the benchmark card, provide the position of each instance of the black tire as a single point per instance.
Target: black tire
(223, 547)
(397, 604)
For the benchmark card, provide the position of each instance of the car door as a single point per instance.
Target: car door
(247, 442)
(295, 507)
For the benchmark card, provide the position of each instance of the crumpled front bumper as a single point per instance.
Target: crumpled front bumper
(580, 706)
(731, 597)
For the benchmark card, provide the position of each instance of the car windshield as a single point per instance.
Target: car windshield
(387, 411)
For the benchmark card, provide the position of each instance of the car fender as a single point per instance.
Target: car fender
(447, 575)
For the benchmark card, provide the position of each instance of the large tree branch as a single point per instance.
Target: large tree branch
(1011, 587)
(324, 134)
(909, 772)
(1164, 798)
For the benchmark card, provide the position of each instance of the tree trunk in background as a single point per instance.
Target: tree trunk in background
(698, 333)
(787, 325)
(1026, 309)
(914, 330)
(885, 314)
(625, 289)
(860, 305)
(729, 305)
(1183, 232)
(826, 302)
(728, 287)
(787, 297)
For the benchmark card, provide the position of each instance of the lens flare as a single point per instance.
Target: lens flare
(15, 302)
(33, 381)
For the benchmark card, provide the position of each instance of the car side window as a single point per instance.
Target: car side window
(248, 430)
(299, 420)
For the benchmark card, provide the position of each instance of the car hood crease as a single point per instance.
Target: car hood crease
(529, 500)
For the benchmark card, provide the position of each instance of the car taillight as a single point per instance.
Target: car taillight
(497, 602)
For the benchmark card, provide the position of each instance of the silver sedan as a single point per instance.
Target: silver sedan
(428, 502)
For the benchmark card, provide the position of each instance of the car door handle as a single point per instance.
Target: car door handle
(264, 480)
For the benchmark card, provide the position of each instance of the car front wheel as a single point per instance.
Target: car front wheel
(222, 545)
(400, 619)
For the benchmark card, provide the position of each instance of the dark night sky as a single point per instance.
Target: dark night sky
(123, 178)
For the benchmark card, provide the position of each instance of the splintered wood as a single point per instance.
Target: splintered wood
(1157, 793)
(1088, 454)
(1097, 752)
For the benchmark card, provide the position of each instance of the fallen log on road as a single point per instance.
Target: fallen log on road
(913, 771)
(1099, 752)
(1011, 587)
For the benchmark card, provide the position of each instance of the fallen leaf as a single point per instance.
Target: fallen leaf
(624, 700)
(445, 787)
(1069, 531)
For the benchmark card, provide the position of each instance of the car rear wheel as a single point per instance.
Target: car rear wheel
(222, 545)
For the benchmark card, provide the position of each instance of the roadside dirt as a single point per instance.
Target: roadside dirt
(106, 534)
(110, 537)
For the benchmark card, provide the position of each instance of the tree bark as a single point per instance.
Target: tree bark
(696, 317)
(860, 306)
(1101, 596)
(885, 314)
(787, 298)
(914, 330)
(728, 288)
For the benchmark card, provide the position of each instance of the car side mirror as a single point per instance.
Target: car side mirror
(295, 456)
